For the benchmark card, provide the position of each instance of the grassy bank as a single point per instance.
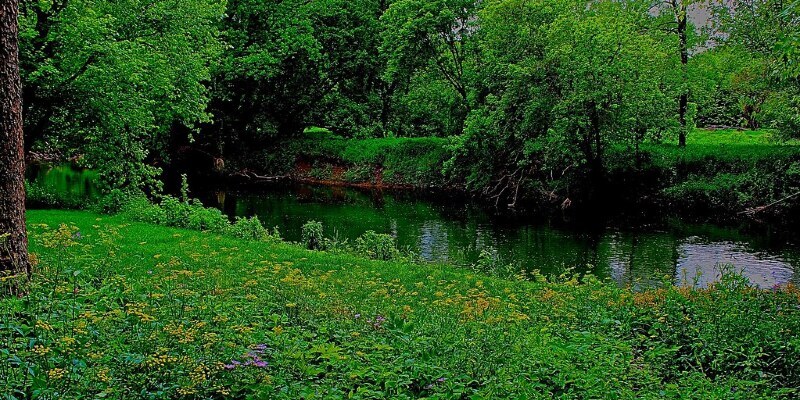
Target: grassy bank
(725, 171)
(129, 310)
(321, 157)
(719, 172)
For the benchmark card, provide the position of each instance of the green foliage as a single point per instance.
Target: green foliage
(250, 229)
(109, 316)
(312, 236)
(110, 79)
(114, 201)
(567, 82)
(209, 219)
(40, 195)
(377, 246)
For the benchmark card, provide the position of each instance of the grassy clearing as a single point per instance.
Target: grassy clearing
(722, 137)
(130, 310)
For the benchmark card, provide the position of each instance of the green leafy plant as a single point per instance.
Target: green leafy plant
(377, 246)
(312, 235)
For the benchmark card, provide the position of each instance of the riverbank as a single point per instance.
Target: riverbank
(721, 174)
(381, 163)
(188, 314)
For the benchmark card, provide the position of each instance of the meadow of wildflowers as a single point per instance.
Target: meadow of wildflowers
(125, 310)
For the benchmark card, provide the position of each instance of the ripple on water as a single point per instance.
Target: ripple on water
(700, 263)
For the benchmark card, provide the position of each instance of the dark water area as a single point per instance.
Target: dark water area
(74, 181)
(455, 230)
(452, 229)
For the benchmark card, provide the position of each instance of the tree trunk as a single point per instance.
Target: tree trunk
(683, 105)
(14, 248)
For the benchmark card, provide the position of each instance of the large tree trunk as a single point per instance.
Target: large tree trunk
(14, 248)
(683, 106)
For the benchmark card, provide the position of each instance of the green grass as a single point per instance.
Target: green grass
(130, 310)
(414, 162)
(701, 136)
(719, 172)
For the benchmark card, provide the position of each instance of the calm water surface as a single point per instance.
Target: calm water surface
(457, 231)
(442, 229)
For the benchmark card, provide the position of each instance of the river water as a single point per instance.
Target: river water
(451, 229)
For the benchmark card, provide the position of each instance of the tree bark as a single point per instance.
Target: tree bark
(683, 106)
(14, 247)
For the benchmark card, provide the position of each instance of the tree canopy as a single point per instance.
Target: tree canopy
(526, 90)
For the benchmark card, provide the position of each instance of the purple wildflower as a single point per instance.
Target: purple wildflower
(253, 358)
(259, 348)
(379, 320)
(438, 381)
(232, 365)
(357, 316)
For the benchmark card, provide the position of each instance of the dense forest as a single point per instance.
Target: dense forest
(538, 99)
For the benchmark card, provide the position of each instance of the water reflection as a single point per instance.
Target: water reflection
(452, 230)
(65, 179)
(698, 259)
(455, 232)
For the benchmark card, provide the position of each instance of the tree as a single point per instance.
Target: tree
(568, 82)
(433, 38)
(269, 77)
(112, 79)
(768, 31)
(14, 249)
(349, 33)
(673, 17)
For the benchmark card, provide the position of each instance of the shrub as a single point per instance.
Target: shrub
(377, 246)
(141, 209)
(312, 236)
(248, 228)
(114, 201)
(207, 219)
(176, 212)
(337, 244)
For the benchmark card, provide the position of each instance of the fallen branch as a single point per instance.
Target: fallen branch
(755, 210)
(254, 176)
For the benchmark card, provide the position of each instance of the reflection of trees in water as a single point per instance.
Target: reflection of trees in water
(701, 263)
(65, 179)
(638, 259)
(442, 231)
(434, 244)
(220, 195)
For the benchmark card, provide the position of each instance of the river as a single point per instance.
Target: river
(445, 228)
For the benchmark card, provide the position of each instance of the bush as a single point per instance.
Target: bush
(248, 228)
(141, 209)
(176, 212)
(114, 201)
(207, 219)
(377, 246)
(312, 236)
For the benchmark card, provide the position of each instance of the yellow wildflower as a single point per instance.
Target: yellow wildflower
(56, 373)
